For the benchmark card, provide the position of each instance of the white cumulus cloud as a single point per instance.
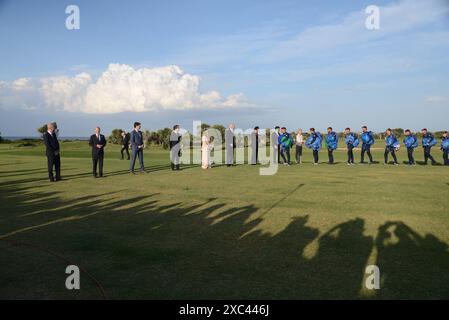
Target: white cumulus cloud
(437, 99)
(121, 88)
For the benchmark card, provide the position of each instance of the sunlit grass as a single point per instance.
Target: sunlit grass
(305, 232)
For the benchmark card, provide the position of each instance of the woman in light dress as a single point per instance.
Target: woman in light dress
(205, 151)
(299, 143)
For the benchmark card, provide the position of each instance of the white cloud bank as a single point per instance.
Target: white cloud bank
(120, 88)
(437, 99)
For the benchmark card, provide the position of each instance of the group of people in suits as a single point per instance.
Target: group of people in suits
(230, 145)
(281, 142)
(97, 142)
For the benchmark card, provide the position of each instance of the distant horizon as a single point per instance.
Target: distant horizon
(305, 131)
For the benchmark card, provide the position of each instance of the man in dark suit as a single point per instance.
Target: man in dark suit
(275, 144)
(125, 144)
(137, 147)
(52, 151)
(97, 141)
(175, 147)
(230, 145)
(255, 146)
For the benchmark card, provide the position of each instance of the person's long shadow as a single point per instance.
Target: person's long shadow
(411, 266)
(75, 176)
(337, 269)
(423, 163)
(276, 266)
(21, 172)
(10, 164)
(168, 167)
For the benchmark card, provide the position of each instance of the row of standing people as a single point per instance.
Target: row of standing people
(283, 142)
(97, 142)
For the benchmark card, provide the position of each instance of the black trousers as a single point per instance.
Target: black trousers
(366, 148)
(125, 148)
(257, 153)
(389, 150)
(315, 156)
(427, 155)
(54, 161)
(285, 152)
(298, 153)
(97, 160)
(350, 154)
(330, 153)
(446, 157)
(411, 159)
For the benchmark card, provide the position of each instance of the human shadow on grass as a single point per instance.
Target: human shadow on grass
(423, 163)
(21, 172)
(411, 265)
(10, 164)
(139, 247)
(75, 176)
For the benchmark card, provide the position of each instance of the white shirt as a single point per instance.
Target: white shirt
(299, 139)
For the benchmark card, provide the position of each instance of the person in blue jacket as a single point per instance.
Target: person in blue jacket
(314, 142)
(352, 141)
(285, 142)
(411, 143)
(331, 143)
(367, 142)
(391, 145)
(428, 141)
(445, 148)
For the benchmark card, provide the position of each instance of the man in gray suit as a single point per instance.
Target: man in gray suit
(276, 152)
(255, 146)
(230, 144)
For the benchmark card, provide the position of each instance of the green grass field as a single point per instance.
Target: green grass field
(306, 232)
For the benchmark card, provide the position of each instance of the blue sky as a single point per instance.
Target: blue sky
(266, 63)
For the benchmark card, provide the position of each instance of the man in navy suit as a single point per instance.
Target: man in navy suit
(137, 147)
(97, 141)
(52, 151)
(125, 144)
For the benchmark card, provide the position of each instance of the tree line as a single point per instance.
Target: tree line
(161, 137)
